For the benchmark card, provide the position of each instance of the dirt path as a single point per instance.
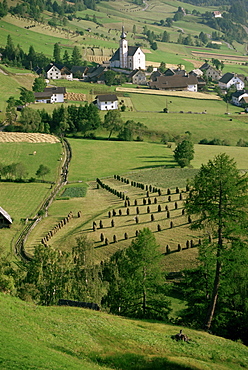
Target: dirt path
(181, 94)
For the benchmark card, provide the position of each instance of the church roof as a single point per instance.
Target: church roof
(116, 56)
(131, 51)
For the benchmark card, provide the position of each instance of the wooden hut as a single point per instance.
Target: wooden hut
(5, 219)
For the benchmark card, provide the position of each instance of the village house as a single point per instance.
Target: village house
(107, 102)
(5, 219)
(51, 95)
(138, 77)
(217, 14)
(210, 72)
(237, 97)
(128, 57)
(244, 103)
(230, 79)
(175, 82)
(55, 71)
(96, 74)
(79, 71)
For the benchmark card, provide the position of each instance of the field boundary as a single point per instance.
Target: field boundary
(181, 94)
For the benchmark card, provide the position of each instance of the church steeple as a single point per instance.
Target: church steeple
(123, 49)
(123, 34)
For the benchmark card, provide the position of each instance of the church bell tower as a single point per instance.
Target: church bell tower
(123, 50)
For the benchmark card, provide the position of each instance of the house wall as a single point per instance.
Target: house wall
(108, 105)
(57, 98)
(192, 88)
(234, 81)
(139, 78)
(139, 60)
(214, 75)
(53, 73)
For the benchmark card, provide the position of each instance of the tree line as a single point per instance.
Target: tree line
(14, 55)
(133, 283)
(18, 172)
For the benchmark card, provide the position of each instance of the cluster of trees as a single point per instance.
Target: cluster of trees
(227, 24)
(75, 59)
(71, 119)
(126, 130)
(14, 55)
(35, 8)
(132, 282)
(18, 172)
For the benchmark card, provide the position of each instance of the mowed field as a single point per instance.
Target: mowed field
(151, 164)
(22, 200)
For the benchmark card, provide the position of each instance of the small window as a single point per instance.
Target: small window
(106, 107)
(106, 102)
(112, 106)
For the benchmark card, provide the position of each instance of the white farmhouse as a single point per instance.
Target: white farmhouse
(51, 95)
(238, 96)
(229, 79)
(55, 71)
(107, 102)
(128, 57)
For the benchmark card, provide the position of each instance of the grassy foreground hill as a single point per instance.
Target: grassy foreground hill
(35, 337)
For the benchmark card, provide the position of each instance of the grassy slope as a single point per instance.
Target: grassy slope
(70, 338)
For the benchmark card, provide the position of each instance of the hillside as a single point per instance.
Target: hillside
(54, 338)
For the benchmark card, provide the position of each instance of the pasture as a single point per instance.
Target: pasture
(23, 200)
(46, 154)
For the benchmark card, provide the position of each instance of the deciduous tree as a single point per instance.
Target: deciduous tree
(184, 153)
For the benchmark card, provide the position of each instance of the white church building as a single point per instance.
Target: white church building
(128, 57)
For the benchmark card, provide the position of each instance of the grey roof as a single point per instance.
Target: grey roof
(134, 72)
(55, 90)
(49, 91)
(97, 72)
(239, 93)
(6, 215)
(81, 69)
(131, 51)
(205, 66)
(107, 97)
(42, 95)
(176, 82)
(226, 77)
(116, 56)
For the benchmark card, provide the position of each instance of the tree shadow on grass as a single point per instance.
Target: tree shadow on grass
(131, 361)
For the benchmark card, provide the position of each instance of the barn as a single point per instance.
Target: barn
(5, 219)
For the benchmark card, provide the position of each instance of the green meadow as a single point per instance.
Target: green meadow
(23, 200)
(46, 154)
(36, 337)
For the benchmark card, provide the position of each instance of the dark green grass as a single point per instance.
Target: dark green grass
(74, 192)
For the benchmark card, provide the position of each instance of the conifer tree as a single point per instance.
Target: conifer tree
(218, 199)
